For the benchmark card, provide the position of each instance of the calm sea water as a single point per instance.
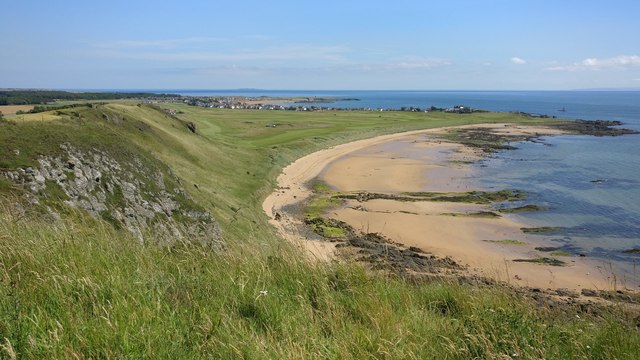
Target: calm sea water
(590, 185)
(590, 105)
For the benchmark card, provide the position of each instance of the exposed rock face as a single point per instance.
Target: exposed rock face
(129, 193)
(191, 126)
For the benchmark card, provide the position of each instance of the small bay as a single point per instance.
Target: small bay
(590, 185)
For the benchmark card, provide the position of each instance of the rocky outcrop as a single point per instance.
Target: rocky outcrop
(594, 127)
(143, 198)
(191, 126)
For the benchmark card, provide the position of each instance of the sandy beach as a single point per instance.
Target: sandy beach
(421, 161)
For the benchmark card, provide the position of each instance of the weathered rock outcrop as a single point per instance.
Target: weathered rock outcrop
(143, 198)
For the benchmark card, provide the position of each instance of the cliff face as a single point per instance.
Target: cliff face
(89, 163)
(137, 195)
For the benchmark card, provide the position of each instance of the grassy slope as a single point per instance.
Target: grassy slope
(238, 151)
(81, 287)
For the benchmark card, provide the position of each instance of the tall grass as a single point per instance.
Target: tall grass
(79, 288)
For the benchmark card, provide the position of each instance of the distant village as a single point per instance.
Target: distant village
(36, 101)
(308, 104)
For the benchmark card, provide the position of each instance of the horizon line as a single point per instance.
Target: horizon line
(258, 89)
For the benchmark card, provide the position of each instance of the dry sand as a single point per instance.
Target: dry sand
(416, 161)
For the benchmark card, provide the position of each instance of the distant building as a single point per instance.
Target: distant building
(460, 109)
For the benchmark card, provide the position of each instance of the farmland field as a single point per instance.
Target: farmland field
(13, 109)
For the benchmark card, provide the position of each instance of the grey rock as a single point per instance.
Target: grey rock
(95, 182)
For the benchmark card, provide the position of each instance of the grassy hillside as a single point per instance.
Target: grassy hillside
(78, 287)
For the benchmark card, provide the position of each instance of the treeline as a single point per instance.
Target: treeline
(42, 108)
(33, 97)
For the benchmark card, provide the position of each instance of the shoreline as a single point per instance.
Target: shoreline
(486, 246)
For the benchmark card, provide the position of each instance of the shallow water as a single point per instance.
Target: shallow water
(591, 185)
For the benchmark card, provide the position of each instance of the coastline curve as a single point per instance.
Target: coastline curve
(456, 237)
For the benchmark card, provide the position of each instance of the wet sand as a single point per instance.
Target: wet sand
(419, 161)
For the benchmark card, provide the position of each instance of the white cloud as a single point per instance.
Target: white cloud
(417, 63)
(410, 63)
(213, 55)
(518, 61)
(158, 44)
(308, 56)
(259, 37)
(272, 53)
(336, 69)
(218, 50)
(618, 62)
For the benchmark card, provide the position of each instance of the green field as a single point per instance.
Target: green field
(80, 288)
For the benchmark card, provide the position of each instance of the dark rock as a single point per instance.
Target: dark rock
(566, 292)
(547, 248)
(543, 261)
(382, 254)
(635, 251)
(595, 128)
(416, 249)
(361, 243)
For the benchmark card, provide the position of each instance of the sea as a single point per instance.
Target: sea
(590, 186)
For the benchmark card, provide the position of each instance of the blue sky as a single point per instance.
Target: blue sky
(401, 44)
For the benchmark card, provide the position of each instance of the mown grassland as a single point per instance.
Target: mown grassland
(80, 288)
